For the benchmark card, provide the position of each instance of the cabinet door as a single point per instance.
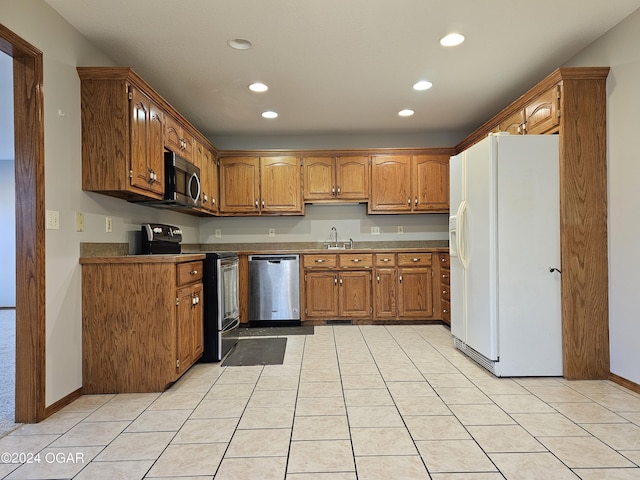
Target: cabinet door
(390, 183)
(321, 298)
(431, 183)
(173, 135)
(354, 295)
(147, 153)
(239, 184)
(385, 293)
(415, 293)
(212, 180)
(352, 178)
(190, 326)
(318, 175)
(280, 185)
(542, 114)
(513, 124)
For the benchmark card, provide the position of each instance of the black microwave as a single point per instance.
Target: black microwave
(181, 181)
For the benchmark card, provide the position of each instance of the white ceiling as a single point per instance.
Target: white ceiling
(341, 66)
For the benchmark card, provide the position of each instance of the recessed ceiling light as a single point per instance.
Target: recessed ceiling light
(407, 112)
(451, 40)
(239, 44)
(269, 114)
(258, 87)
(422, 85)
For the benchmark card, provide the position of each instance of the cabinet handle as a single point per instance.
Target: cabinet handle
(263, 203)
(445, 310)
(356, 260)
(444, 292)
(193, 272)
(386, 260)
(416, 259)
(320, 260)
(409, 201)
(333, 190)
(416, 201)
(335, 280)
(400, 278)
(338, 189)
(443, 259)
(340, 281)
(256, 203)
(378, 278)
(445, 276)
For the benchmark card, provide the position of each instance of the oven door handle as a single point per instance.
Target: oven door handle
(232, 325)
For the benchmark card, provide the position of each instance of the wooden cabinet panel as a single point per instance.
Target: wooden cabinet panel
(178, 139)
(140, 329)
(352, 178)
(239, 184)
(356, 260)
(190, 326)
(513, 124)
(319, 178)
(390, 183)
(321, 295)
(209, 181)
(335, 178)
(147, 153)
(320, 260)
(280, 185)
(543, 113)
(415, 293)
(385, 289)
(430, 183)
(354, 297)
(414, 259)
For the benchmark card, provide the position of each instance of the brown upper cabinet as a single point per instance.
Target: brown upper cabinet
(409, 184)
(260, 185)
(126, 127)
(336, 178)
(540, 115)
(178, 139)
(122, 138)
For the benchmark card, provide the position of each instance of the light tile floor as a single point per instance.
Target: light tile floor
(349, 402)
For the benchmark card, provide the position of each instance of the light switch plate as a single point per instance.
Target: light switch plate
(53, 220)
(79, 222)
(375, 230)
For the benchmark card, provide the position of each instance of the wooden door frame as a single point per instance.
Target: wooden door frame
(30, 234)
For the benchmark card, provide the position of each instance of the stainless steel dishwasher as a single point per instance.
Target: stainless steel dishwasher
(274, 290)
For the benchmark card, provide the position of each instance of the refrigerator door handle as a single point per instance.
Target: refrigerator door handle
(460, 237)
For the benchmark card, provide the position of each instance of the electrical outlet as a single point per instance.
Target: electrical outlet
(272, 232)
(400, 229)
(79, 222)
(53, 220)
(108, 225)
(375, 230)
(218, 233)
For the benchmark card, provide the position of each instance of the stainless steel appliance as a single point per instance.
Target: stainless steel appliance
(274, 289)
(221, 305)
(160, 238)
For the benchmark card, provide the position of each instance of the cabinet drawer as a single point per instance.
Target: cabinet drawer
(322, 260)
(444, 292)
(384, 260)
(445, 276)
(356, 260)
(189, 272)
(414, 259)
(444, 261)
(446, 310)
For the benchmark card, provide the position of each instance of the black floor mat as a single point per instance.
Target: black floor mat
(274, 331)
(257, 351)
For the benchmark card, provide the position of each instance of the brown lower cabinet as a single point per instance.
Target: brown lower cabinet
(141, 321)
(368, 287)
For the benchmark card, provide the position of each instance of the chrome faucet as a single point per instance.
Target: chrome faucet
(334, 234)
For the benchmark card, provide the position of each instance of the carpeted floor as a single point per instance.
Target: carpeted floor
(7, 370)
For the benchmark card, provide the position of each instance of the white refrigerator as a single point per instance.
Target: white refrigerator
(504, 244)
